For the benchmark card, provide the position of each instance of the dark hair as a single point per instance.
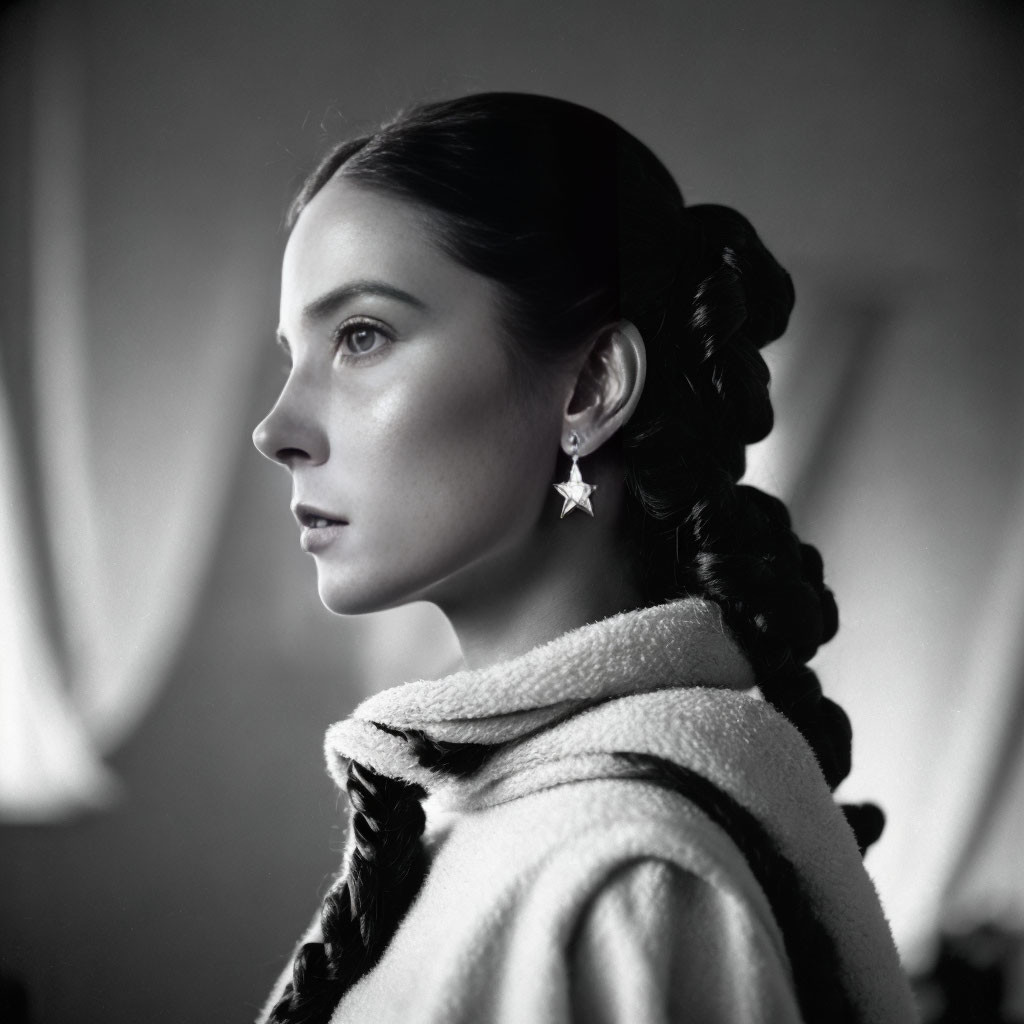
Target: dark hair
(582, 226)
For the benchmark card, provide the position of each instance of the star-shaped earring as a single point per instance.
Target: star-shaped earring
(574, 490)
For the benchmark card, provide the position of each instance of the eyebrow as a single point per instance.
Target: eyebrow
(328, 303)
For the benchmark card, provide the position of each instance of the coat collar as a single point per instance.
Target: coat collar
(680, 644)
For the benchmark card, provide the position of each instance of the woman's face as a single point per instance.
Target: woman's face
(417, 468)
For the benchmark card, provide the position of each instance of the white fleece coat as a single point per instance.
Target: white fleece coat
(560, 891)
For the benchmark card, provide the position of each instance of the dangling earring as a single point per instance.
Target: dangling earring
(574, 490)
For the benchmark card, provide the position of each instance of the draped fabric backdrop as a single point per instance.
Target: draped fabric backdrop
(163, 658)
(131, 483)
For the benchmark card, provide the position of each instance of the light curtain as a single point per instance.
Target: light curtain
(48, 763)
(135, 458)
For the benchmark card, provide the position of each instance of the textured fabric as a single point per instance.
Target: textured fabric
(516, 920)
(678, 946)
(560, 891)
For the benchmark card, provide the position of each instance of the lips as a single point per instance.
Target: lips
(310, 517)
(319, 527)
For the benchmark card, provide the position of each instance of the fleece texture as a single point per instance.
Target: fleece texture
(560, 891)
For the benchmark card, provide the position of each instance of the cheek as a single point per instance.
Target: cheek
(452, 460)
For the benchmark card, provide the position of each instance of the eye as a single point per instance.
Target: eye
(357, 338)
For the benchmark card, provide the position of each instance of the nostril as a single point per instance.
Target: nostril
(288, 456)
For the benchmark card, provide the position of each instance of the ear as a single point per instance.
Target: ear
(606, 388)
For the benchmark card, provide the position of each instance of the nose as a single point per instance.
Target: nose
(290, 434)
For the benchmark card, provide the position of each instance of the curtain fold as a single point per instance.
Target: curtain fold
(49, 767)
(134, 439)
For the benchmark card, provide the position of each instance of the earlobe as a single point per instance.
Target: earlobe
(608, 386)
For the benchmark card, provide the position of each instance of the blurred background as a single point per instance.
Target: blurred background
(166, 670)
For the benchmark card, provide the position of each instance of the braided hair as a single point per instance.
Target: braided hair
(385, 870)
(360, 913)
(582, 226)
(702, 531)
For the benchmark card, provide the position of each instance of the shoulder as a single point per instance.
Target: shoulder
(604, 821)
(557, 849)
(602, 900)
(658, 940)
(622, 901)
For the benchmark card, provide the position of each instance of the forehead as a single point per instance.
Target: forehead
(349, 233)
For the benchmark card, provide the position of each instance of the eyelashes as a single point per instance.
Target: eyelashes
(360, 339)
(357, 340)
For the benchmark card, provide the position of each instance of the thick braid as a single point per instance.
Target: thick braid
(752, 564)
(360, 913)
(700, 531)
(386, 868)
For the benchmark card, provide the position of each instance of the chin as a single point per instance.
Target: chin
(353, 600)
(357, 594)
(346, 594)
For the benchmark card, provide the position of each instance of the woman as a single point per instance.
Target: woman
(523, 374)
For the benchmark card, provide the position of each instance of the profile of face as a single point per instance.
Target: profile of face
(417, 466)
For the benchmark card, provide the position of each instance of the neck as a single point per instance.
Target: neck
(568, 573)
